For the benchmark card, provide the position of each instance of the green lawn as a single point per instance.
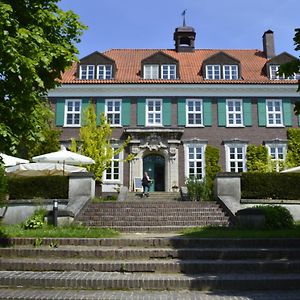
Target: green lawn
(223, 232)
(57, 232)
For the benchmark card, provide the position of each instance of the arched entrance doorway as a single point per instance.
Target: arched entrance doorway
(154, 164)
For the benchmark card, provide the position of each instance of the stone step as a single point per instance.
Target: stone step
(155, 223)
(148, 281)
(143, 218)
(174, 242)
(109, 253)
(138, 294)
(187, 266)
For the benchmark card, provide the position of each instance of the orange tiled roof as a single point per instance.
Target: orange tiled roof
(128, 64)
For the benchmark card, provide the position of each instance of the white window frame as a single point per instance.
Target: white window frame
(72, 112)
(113, 112)
(154, 112)
(232, 69)
(275, 155)
(273, 69)
(194, 112)
(85, 74)
(170, 71)
(107, 72)
(214, 70)
(273, 114)
(190, 149)
(119, 173)
(234, 114)
(235, 160)
(151, 71)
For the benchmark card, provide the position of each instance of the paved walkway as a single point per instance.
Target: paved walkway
(18, 294)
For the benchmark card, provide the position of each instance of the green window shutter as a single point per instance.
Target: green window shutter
(181, 113)
(84, 105)
(100, 108)
(207, 112)
(167, 112)
(261, 110)
(60, 112)
(141, 111)
(247, 111)
(287, 112)
(126, 112)
(221, 112)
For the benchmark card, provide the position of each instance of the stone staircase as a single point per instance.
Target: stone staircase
(161, 212)
(119, 265)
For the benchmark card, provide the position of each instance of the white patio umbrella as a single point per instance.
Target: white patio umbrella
(292, 170)
(65, 157)
(42, 169)
(9, 160)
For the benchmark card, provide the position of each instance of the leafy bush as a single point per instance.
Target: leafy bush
(37, 220)
(258, 159)
(276, 217)
(270, 186)
(197, 189)
(212, 167)
(293, 153)
(47, 187)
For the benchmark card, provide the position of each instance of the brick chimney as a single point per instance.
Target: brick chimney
(268, 44)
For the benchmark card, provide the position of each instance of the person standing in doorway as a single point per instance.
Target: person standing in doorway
(146, 181)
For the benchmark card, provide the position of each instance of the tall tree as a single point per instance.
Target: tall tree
(95, 142)
(293, 67)
(37, 43)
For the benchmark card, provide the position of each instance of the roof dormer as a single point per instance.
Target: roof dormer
(221, 66)
(274, 63)
(160, 66)
(96, 66)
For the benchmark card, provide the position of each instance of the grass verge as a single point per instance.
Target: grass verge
(224, 232)
(71, 231)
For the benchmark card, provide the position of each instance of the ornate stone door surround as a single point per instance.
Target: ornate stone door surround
(161, 141)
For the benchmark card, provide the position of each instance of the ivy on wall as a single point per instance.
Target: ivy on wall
(293, 153)
(258, 159)
(212, 166)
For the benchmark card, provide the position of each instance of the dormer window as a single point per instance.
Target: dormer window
(168, 71)
(213, 72)
(104, 72)
(230, 72)
(151, 71)
(86, 72)
(274, 74)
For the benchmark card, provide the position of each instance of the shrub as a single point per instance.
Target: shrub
(212, 166)
(197, 189)
(293, 153)
(276, 217)
(258, 159)
(37, 220)
(270, 186)
(47, 187)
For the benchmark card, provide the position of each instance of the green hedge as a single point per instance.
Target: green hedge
(270, 186)
(47, 187)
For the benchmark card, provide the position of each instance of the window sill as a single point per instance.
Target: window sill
(275, 126)
(235, 126)
(194, 126)
(72, 126)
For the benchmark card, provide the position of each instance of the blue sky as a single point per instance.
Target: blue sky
(219, 24)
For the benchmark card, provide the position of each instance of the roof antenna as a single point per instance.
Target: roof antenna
(183, 14)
